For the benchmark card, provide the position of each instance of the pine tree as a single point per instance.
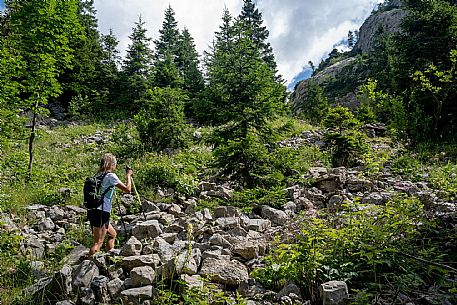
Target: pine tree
(253, 27)
(188, 65)
(248, 96)
(79, 81)
(108, 72)
(166, 72)
(136, 69)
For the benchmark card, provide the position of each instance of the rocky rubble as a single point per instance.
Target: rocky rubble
(174, 241)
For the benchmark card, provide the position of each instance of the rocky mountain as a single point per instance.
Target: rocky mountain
(343, 72)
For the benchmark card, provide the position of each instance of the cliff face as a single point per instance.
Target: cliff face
(341, 79)
(389, 20)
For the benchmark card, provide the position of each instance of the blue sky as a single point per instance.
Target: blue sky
(300, 30)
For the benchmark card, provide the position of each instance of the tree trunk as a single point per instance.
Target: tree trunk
(32, 137)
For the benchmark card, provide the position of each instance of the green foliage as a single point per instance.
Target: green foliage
(379, 106)
(362, 244)
(347, 145)
(248, 161)
(136, 69)
(314, 104)
(160, 123)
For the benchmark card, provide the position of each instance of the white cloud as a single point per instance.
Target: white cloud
(300, 30)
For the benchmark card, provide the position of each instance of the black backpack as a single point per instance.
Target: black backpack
(92, 188)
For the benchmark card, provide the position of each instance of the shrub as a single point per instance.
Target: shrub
(368, 246)
(161, 123)
(346, 144)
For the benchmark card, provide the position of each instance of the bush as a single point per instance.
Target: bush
(160, 123)
(368, 246)
(346, 144)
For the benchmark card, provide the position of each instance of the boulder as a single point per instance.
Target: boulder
(142, 276)
(334, 293)
(150, 228)
(84, 274)
(137, 296)
(277, 217)
(226, 272)
(132, 247)
(130, 262)
(100, 288)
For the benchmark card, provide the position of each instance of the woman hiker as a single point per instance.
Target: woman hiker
(99, 217)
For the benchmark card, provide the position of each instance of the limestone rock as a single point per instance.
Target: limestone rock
(142, 276)
(150, 228)
(230, 273)
(334, 293)
(137, 296)
(276, 216)
(84, 274)
(130, 262)
(132, 247)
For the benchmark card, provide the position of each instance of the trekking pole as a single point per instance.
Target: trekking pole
(138, 197)
(120, 214)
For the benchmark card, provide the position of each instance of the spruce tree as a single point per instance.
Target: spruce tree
(216, 61)
(257, 33)
(136, 69)
(108, 72)
(79, 82)
(166, 72)
(188, 65)
(248, 97)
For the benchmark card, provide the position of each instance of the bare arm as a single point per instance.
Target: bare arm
(126, 188)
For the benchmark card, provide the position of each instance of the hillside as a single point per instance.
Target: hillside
(229, 192)
(196, 227)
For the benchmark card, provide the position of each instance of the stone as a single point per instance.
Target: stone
(130, 262)
(259, 225)
(220, 192)
(65, 302)
(288, 290)
(334, 293)
(76, 255)
(86, 296)
(277, 217)
(137, 296)
(115, 287)
(100, 288)
(84, 274)
(226, 211)
(149, 206)
(150, 228)
(205, 186)
(164, 249)
(227, 223)
(230, 273)
(6, 223)
(219, 240)
(192, 281)
(175, 210)
(45, 224)
(317, 172)
(335, 202)
(329, 184)
(142, 276)
(248, 249)
(55, 213)
(132, 247)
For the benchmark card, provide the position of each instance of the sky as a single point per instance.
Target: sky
(300, 30)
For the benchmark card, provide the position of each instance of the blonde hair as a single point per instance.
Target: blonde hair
(107, 163)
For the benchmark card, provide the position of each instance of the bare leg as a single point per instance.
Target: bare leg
(111, 238)
(98, 236)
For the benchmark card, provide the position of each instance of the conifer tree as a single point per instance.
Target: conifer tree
(257, 33)
(216, 61)
(166, 72)
(188, 65)
(136, 69)
(79, 82)
(248, 96)
(108, 72)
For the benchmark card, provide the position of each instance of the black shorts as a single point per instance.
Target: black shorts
(98, 218)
